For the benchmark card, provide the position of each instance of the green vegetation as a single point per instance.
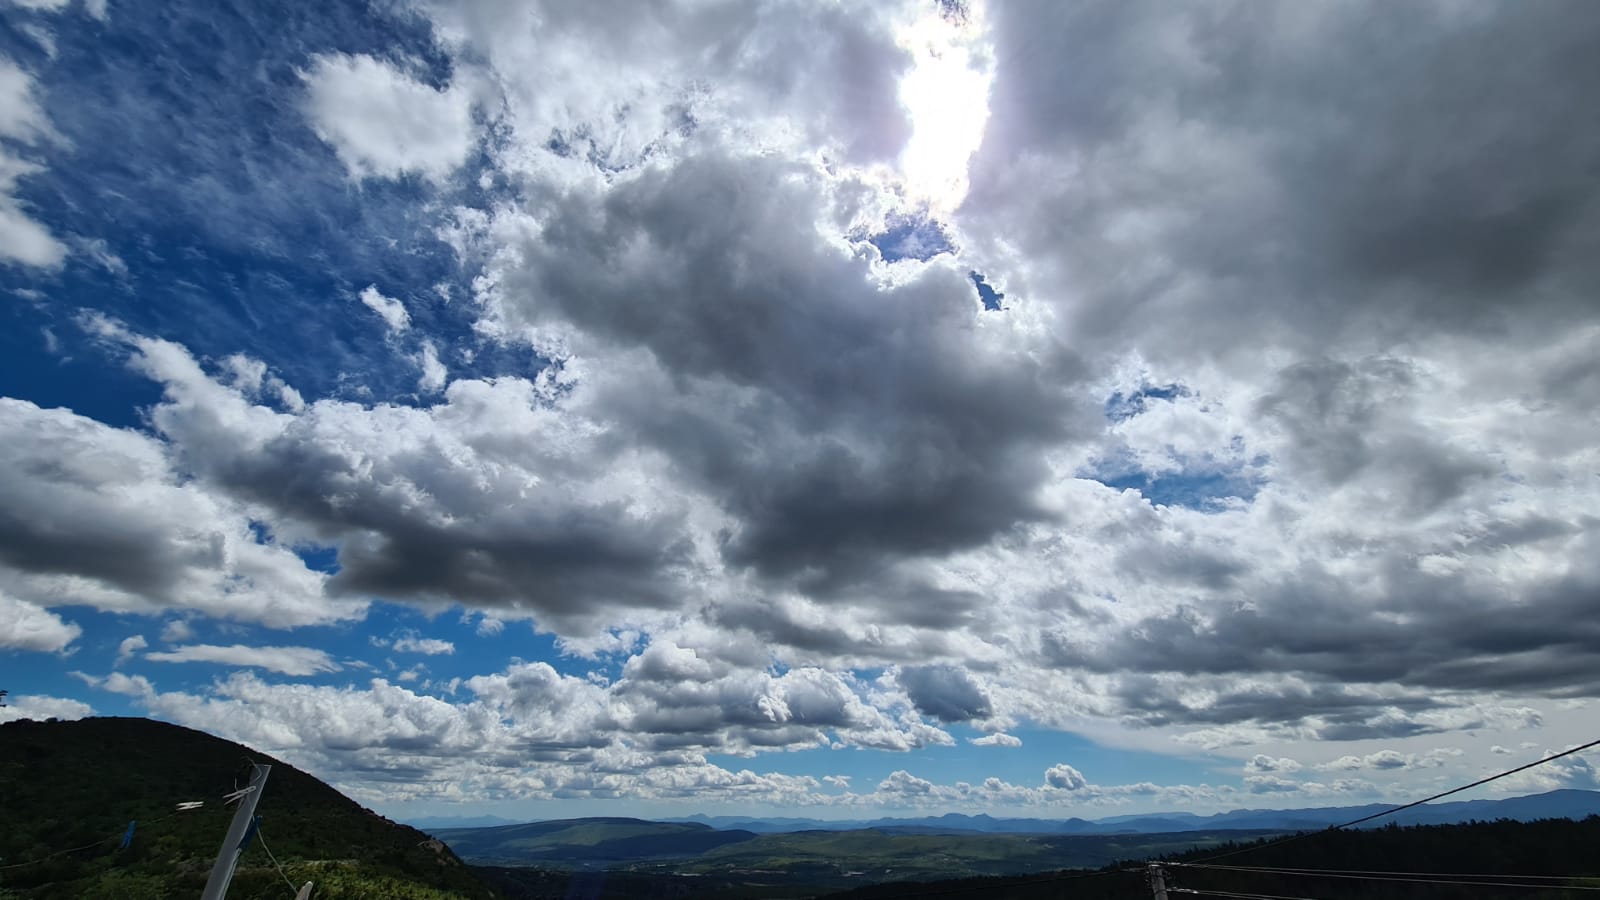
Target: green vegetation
(1555, 847)
(631, 858)
(74, 786)
(585, 842)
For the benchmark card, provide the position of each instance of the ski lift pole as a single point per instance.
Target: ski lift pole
(233, 844)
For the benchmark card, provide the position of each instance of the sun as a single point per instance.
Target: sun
(946, 93)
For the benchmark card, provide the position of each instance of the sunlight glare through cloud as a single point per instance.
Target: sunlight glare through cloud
(947, 95)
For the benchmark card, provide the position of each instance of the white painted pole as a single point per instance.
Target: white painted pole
(228, 856)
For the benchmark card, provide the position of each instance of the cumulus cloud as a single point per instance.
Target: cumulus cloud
(998, 739)
(426, 646)
(384, 123)
(1261, 764)
(947, 693)
(129, 648)
(39, 708)
(27, 626)
(287, 660)
(97, 515)
(1064, 777)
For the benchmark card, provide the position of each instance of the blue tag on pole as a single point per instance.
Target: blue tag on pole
(249, 833)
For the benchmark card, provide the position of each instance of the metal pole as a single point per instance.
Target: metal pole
(228, 856)
(1158, 882)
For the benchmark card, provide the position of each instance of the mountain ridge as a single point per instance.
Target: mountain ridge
(1566, 803)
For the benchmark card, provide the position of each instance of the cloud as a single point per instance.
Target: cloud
(287, 660)
(947, 693)
(1064, 777)
(39, 708)
(426, 646)
(385, 124)
(129, 648)
(998, 739)
(23, 240)
(26, 626)
(391, 310)
(434, 373)
(1261, 764)
(1392, 760)
(98, 516)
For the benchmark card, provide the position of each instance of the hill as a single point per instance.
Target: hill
(589, 842)
(620, 857)
(67, 785)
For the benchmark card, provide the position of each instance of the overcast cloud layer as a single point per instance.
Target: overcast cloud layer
(1235, 403)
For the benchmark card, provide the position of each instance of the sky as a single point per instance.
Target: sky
(808, 408)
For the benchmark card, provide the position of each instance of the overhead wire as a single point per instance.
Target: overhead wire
(262, 840)
(111, 837)
(1389, 812)
(1238, 896)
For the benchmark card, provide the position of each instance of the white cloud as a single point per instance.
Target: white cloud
(26, 626)
(998, 739)
(129, 648)
(42, 5)
(425, 646)
(22, 239)
(177, 631)
(287, 660)
(39, 708)
(385, 124)
(392, 310)
(1261, 764)
(1065, 777)
(434, 373)
(111, 524)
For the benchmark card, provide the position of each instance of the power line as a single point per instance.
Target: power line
(1414, 803)
(1199, 893)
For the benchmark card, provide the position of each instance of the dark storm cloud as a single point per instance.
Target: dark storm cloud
(1344, 418)
(1456, 636)
(1344, 167)
(842, 425)
(947, 693)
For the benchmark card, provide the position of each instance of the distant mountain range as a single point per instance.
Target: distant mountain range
(1565, 804)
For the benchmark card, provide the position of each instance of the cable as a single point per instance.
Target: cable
(113, 837)
(1414, 803)
(262, 840)
(59, 853)
(1176, 890)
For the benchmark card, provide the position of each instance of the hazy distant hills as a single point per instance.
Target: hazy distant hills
(586, 841)
(1567, 804)
(818, 860)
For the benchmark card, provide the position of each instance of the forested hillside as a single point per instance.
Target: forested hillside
(68, 791)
